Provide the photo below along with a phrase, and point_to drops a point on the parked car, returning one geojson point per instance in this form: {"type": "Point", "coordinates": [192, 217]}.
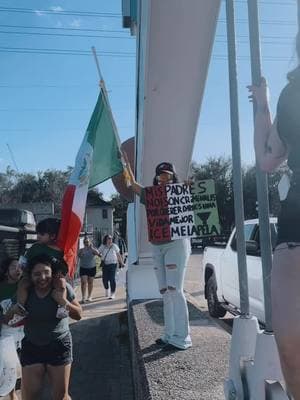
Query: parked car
{"type": "Point", "coordinates": [17, 232]}
{"type": "Point", "coordinates": [221, 273]}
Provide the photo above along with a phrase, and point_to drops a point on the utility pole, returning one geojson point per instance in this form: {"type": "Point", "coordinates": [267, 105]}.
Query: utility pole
{"type": "Point", "coordinates": [12, 157]}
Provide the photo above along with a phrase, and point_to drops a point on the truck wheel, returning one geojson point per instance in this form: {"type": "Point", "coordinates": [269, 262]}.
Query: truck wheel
{"type": "Point", "coordinates": [214, 307]}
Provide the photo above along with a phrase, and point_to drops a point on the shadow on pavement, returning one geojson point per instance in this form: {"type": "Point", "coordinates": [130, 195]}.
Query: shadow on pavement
{"type": "Point", "coordinates": [196, 317]}
{"type": "Point", "coordinates": [101, 367]}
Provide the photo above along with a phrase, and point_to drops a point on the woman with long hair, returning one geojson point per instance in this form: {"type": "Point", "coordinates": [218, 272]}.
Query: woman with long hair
{"type": "Point", "coordinates": [275, 142]}
{"type": "Point", "coordinates": [47, 344]}
{"type": "Point", "coordinates": [110, 257]}
{"type": "Point", "coordinates": [170, 261]}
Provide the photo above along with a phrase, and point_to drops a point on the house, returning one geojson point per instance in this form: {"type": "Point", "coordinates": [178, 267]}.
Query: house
{"type": "Point", "coordinates": [99, 216]}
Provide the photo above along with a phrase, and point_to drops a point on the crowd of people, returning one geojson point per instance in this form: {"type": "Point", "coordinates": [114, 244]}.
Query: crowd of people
{"type": "Point", "coordinates": [36, 302]}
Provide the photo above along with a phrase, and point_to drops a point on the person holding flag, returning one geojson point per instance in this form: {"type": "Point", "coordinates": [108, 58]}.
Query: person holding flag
{"type": "Point", "coordinates": [170, 258]}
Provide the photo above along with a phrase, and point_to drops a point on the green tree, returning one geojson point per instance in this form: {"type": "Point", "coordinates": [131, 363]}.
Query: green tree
{"type": "Point", "coordinates": [120, 212]}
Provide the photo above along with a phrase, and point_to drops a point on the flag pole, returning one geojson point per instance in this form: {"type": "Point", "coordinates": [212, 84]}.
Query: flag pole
{"type": "Point", "coordinates": [102, 86]}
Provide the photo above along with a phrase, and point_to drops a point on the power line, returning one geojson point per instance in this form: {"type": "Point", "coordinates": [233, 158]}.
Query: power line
{"type": "Point", "coordinates": [59, 12]}
{"type": "Point", "coordinates": [26, 50]}
{"type": "Point", "coordinates": [38, 86]}
{"type": "Point", "coordinates": [263, 22]}
{"type": "Point", "coordinates": [277, 3]}
{"type": "Point", "coordinates": [47, 51]}
{"type": "Point", "coordinates": [131, 38]}
{"type": "Point", "coordinates": [115, 15]}
{"type": "Point", "coordinates": [66, 35]}
{"type": "Point", "coordinates": [62, 28]}
{"type": "Point", "coordinates": [43, 109]}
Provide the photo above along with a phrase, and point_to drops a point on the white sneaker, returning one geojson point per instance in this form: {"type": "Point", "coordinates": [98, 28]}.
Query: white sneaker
{"type": "Point", "coordinates": [106, 292]}
{"type": "Point", "coordinates": [112, 296]}
{"type": "Point", "coordinates": [90, 299]}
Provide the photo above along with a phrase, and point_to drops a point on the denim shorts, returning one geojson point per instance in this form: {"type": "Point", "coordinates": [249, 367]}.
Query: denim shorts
{"type": "Point", "coordinates": [56, 353]}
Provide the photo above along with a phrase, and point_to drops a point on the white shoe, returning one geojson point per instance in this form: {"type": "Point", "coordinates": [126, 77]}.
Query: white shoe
{"type": "Point", "coordinates": [112, 296]}
{"type": "Point", "coordinates": [83, 301]}
{"type": "Point", "coordinates": [90, 299]}
{"type": "Point", "coordinates": [106, 292]}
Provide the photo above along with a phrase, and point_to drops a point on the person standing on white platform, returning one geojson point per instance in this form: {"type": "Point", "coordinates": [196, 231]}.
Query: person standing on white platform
{"type": "Point", "coordinates": [170, 260]}
{"type": "Point", "coordinates": [110, 257]}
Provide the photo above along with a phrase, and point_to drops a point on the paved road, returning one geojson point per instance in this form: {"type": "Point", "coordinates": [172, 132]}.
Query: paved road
{"type": "Point", "coordinates": [194, 286]}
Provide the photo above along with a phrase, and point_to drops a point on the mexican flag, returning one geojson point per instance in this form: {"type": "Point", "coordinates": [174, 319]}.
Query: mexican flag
{"type": "Point", "coordinates": [97, 160]}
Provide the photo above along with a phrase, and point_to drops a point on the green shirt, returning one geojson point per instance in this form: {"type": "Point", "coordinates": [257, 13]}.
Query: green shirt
{"type": "Point", "coordinates": [7, 290]}
{"type": "Point", "coordinates": [38, 249]}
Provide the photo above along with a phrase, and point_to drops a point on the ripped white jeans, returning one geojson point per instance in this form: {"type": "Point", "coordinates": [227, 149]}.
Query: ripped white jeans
{"type": "Point", "coordinates": [170, 260]}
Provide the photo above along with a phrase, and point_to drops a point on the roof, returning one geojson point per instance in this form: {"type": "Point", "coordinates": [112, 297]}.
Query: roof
{"type": "Point", "coordinates": [94, 200]}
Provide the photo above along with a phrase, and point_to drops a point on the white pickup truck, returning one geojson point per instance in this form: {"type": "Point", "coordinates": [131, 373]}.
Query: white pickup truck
{"type": "Point", "coordinates": [220, 273]}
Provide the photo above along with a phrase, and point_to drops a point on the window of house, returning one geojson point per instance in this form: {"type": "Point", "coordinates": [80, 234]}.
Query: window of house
{"type": "Point", "coordinates": [104, 214]}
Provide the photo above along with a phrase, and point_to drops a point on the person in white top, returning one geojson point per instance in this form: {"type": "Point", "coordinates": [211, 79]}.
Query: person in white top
{"type": "Point", "coordinates": [110, 256]}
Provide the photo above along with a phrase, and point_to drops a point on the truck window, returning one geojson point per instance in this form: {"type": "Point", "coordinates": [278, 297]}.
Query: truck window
{"type": "Point", "coordinates": [249, 232]}
{"type": "Point", "coordinates": [273, 230]}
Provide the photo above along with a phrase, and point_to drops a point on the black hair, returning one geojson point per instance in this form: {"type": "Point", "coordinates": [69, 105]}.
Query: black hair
{"type": "Point", "coordinates": [56, 265]}
{"type": "Point", "coordinates": [175, 179]}
{"type": "Point", "coordinates": [295, 73]}
{"type": "Point", "coordinates": [48, 225]}
{"type": "Point", "coordinates": [105, 239]}
{"type": "Point", "coordinates": [5, 267]}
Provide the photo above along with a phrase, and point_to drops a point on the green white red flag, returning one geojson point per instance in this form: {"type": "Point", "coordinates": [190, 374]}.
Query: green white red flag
{"type": "Point", "coordinates": [97, 160]}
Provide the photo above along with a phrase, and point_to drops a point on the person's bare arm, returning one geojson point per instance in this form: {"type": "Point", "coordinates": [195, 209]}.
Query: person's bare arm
{"type": "Point", "coordinates": [120, 259]}
{"type": "Point", "coordinates": [269, 150]}
{"type": "Point", "coordinates": [73, 306]}
{"type": "Point", "coordinates": [136, 187]}
{"type": "Point", "coordinates": [95, 251]}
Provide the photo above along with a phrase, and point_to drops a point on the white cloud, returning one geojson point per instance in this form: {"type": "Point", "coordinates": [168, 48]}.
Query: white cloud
{"type": "Point", "coordinates": [39, 13]}
{"type": "Point", "coordinates": [76, 23]}
{"type": "Point", "coordinates": [56, 8]}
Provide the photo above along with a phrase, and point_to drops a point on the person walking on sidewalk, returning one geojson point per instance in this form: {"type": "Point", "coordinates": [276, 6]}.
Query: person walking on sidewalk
{"type": "Point", "coordinates": [170, 260]}
{"type": "Point", "coordinates": [87, 270]}
{"type": "Point", "coordinates": [110, 256]}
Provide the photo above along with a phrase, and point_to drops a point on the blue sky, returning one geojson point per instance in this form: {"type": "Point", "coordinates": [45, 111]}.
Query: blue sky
{"type": "Point", "coordinates": [47, 99]}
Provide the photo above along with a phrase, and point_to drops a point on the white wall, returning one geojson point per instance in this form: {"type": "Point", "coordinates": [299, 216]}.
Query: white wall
{"type": "Point", "coordinates": [94, 217]}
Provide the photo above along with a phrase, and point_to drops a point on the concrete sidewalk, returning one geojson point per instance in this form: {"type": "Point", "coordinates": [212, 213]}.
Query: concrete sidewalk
{"type": "Point", "coordinates": [102, 368]}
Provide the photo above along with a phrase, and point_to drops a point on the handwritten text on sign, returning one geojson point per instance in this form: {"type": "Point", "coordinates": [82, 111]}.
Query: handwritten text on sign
{"type": "Point", "coordinates": [179, 210]}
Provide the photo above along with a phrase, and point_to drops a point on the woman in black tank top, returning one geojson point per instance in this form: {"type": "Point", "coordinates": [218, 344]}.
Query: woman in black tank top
{"type": "Point", "coordinates": [276, 142]}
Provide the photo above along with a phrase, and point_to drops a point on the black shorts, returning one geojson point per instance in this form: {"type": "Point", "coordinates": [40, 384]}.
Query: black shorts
{"type": "Point", "coordinates": [87, 272]}
{"type": "Point", "coordinates": [56, 353]}
{"type": "Point", "coordinates": [289, 217]}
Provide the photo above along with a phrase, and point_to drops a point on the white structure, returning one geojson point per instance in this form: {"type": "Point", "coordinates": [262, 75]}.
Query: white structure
{"type": "Point", "coordinates": [171, 74]}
